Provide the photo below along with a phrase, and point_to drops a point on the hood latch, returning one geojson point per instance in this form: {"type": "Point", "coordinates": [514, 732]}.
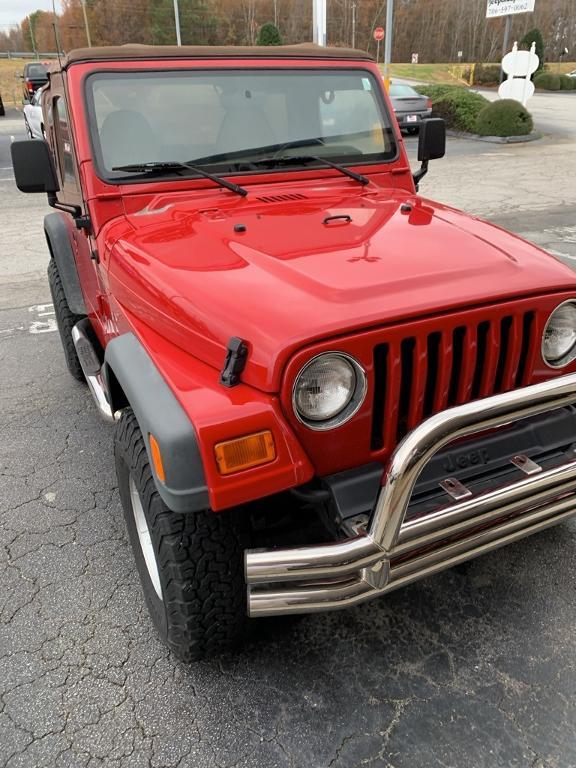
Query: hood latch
{"type": "Point", "coordinates": [235, 362]}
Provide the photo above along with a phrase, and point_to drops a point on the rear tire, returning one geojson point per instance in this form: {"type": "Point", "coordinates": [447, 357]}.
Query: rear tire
{"type": "Point", "coordinates": [66, 320]}
{"type": "Point", "coordinates": [190, 564]}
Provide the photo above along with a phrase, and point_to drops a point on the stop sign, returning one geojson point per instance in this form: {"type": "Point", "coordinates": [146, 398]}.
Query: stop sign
{"type": "Point", "coordinates": [379, 33]}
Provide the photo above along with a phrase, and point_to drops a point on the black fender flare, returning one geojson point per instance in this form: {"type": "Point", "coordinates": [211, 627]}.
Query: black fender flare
{"type": "Point", "coordinates": [58, 239]}
{"type": "Point", "coordinates": [129, 368]}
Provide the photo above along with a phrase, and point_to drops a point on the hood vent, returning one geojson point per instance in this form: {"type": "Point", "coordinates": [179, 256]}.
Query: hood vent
{"type": "Point", "coordinates": [281, 198]}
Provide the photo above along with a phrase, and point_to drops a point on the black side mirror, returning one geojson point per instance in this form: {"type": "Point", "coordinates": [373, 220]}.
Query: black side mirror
{"type": "Point", "coordinates": [431, 145]}
{"type": "Point", "coordinates": [432, 140]}
{"type": "Point", "coordinates": [33, 166]}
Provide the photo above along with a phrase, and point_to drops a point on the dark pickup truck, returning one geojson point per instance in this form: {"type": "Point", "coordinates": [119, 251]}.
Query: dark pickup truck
{"type": "Point", "coordinates": [35, 75]}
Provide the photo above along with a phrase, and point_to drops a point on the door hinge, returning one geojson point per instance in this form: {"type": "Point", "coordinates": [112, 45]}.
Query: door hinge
{"type": "Point", "coordinates": [83, 222]}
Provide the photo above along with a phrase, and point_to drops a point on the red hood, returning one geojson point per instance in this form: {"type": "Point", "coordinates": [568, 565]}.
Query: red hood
{"type": "Point", "coordinates": [290, 278]}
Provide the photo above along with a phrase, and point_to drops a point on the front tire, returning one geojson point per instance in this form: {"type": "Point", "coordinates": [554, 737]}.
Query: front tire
{"type": "Point", "coordinates": [190, 564]}
{"type": "Point", "coordinates": [65, 320]}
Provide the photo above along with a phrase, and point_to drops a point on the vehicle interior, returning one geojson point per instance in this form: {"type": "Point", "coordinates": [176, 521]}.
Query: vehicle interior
{"type": "Point", "coordinates": [223, 119]}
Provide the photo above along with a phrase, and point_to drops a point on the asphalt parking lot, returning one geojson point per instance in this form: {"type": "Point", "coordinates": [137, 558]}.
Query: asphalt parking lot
{"type": "Point", "coordinates": [474, 667]}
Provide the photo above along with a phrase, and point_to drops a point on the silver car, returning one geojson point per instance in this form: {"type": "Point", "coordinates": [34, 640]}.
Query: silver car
{"type": "Point", "coordinates": [410, 107]}
{"type": "Point", "coordinates": [33, 117]}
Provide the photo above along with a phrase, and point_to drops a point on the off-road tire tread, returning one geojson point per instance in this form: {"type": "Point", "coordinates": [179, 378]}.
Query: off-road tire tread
{"type": "Point", "coordinates": [200, 560]}
{"type": "Point", "coordinates": [66, 320]}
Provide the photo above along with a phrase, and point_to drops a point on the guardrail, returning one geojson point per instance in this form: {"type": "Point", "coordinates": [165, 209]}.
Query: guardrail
{"type": "Point", "coordinates": [27, 55]}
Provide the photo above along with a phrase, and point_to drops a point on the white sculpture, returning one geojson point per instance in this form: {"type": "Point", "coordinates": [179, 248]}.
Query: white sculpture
{"type": "Point", "coordinates": [519, 66]}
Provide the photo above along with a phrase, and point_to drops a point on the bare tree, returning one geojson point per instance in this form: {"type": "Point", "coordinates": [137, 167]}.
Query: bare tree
{"type": "Point", "coordinates": [435, 29]}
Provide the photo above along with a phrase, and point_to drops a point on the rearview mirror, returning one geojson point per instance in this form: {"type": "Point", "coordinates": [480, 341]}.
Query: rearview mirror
{"type": "Point", "coordinates": [432, 140]}
{"type": "Point", "coordinates": [33, 166]}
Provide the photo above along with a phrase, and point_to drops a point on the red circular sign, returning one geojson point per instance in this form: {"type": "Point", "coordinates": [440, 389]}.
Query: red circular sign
{"type": "Point", "coordinates": [379, 33]}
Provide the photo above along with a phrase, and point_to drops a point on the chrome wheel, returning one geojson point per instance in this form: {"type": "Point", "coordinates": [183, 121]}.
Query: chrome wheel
{"type": "Point", "coordinates": [144, 537]}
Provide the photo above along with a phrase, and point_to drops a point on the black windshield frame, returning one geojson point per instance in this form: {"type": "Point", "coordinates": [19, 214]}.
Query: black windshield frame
{"type": "Point", "coordinates": [121, 178]}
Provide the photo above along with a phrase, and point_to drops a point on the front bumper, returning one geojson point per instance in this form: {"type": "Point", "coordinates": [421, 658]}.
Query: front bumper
{"type": "Point", "coordinates": [395, 551]}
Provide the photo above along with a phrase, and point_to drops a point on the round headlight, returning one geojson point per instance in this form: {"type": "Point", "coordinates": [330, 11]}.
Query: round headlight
{"type": "Point", "coordinates": [329, 390]}
{"type": "Point", "coordinates": [559, 339]}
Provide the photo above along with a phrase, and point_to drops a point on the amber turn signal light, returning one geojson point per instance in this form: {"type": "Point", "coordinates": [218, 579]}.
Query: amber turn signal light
{"type": "Point", "coordinates": [157, 458]}
{"type": "Point", "coordinates": [245, 452]}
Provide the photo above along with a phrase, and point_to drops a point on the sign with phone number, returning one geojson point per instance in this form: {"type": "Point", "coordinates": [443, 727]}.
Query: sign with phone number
{"type": "Point", "coordinates": [508, 7]}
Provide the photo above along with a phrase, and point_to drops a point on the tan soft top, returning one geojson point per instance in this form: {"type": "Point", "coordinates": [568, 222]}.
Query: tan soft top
{"type": "Point", "coordinates": [135, 52]}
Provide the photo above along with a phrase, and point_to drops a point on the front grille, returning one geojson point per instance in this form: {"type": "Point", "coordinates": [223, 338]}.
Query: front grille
{"type": "Point", "coordinates": [419, 375]}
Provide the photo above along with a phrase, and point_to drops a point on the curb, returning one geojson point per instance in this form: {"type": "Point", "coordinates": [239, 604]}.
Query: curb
{"type": "Point", "coordinates": [534, 136]}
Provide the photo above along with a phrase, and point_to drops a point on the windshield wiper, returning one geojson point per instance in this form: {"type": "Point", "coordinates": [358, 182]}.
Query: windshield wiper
{"type": "Point", "coordinates": [158, 167]}
{"type": "Point", "coordinates": [300, 159]}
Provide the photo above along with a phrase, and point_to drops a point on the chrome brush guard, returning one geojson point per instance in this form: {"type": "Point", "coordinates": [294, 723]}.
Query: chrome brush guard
{"type": "Point", "coordinates": [394, 552]}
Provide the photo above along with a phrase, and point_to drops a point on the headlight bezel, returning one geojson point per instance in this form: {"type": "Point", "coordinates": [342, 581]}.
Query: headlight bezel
{"type": "Point", "coordinates": [570, 355]}
{"type": "Point", "coordinates": [352, 406]}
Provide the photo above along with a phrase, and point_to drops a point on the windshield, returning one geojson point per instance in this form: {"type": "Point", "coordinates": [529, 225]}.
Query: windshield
{"type": "Point", "coordinates": [225, 120]}
{"type": "Point", "coordinates": [36, 70]}
{"type": "Point", "coordinates": [403, 92]}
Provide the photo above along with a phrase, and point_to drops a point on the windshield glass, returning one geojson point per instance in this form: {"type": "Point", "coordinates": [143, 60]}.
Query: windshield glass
{"type": "Point", "coordinates": [36, 70]}
{"type": "Point", "coordinates": [402, 92]}
{"type": "Point", "coordinates": [225, 120]}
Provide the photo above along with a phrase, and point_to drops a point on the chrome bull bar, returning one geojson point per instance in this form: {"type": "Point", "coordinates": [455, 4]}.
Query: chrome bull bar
{"type": "Point", "coordinates": [394, 552]}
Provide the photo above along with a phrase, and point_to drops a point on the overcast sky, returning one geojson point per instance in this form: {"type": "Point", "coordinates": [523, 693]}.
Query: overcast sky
{"type": "Point", "coordinates": [13, 11]}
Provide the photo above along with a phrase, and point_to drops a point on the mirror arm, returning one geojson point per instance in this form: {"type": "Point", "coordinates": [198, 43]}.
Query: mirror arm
{"type": "Point", "coordinates": [54, 203]}
{"type": "Point", "coordinates": [81, 222]}
{"type": "Point", "coordinates": [419, 175]}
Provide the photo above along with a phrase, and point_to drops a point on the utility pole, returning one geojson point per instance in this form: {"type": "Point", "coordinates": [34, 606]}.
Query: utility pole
{"type": "Point", "coordinates": [388, 41]}
{"type": "Point", "coordinates": [177, 23]}
{"type": "Point", "coordinates": [32, 37]}
{"type": "Point", "coordinates": [275, 13]}
{"type": "Point", "coordinates": [56, 30]}
{"type": "Point", "coordinates": [86, 24]}
{"type": "Point", "coordinates": [353, 25]}
{"type": "Point", "coordinates": [319, 21]}
{"type": "Point", "coordinates": [506, 43]}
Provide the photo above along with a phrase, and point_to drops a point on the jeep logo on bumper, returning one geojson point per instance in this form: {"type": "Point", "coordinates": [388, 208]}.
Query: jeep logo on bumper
{"type": "Point", "coordinates": [465, 460]}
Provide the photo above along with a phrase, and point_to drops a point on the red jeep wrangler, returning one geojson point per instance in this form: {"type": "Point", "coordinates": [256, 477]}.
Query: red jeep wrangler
{"type": "Point", "coordinates": [324, 385]}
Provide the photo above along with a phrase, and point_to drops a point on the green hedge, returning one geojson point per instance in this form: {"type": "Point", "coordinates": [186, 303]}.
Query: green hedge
{"type": "Point", "coordinates": [486, 74]}
{"type": "Point", "coordinates": [567, 83]}
{"type": "Point", "coordinates": [437, 91]}
{"type": "Point", "coordinates": [549, 81]}
{"type": "Point", "coordinates": [505, 117]}
{"type": "Point", "coordinates": [458, 106]}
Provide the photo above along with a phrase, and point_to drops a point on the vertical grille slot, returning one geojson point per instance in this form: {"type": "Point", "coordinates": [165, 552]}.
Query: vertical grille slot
{"type": "Point", "coordinates": [513, 357]}
{"type": "Point", "coordinates": [527, 326]}
{"type": "Point", "coordinates": [432, 375]}
{"type": "Point", "coordinates": [483, 329]}
{"type": "Point", "coordinates": [445, 369]}
{"type": "Point", "coordinates": [407, 377]}
{"type": "Point", "coordinates": [458, 345]}
{"type": "Point", "coordinates": [505, 329]}
{"type": "Point", "coordinates": [490, 360]}
{"type": "Point", "coordinates": [381, 353]}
